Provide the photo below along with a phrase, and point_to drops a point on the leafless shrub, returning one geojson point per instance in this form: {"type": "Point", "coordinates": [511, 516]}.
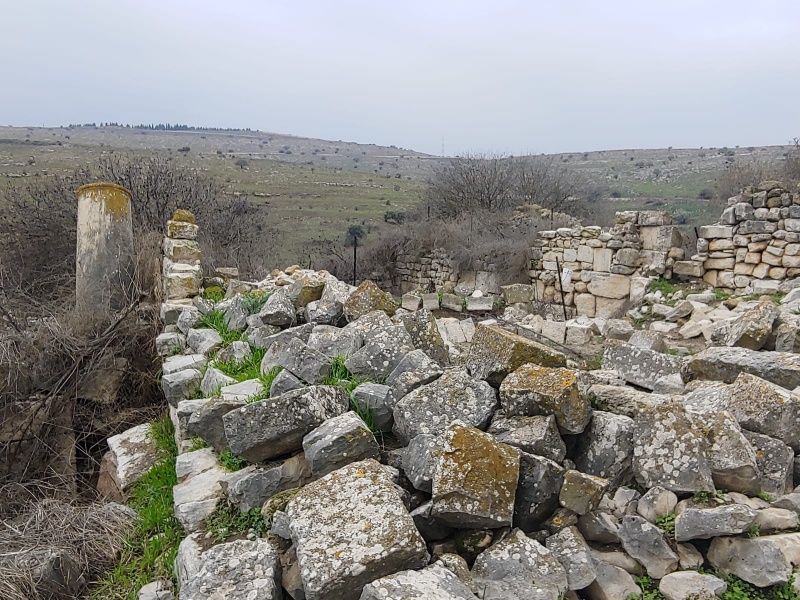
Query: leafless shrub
{"type": "Point", "coordinates": [490, 182]}
{"type": "Point", "coordinates": [740, 174]}
{"type": "Point", "coordinates": [38, 220]}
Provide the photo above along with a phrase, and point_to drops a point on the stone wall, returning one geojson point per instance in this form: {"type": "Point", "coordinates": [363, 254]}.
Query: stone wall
{"type": "Point", "coordinates": [599, 271]}
{"type": "Point", "coordinates": [433, 271]}
{"type": "Point", "coordinates": [755, 244]}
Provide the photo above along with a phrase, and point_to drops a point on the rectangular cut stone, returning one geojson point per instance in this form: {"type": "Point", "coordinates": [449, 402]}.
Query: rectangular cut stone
{"type": "Point", "coordinates": [660, 238]}
{"type": "Point", "coordinates": [554, 330]}
{"type": "Point", "coordinates": [340, 550]}
{"type": "Point", "coordinates": [610, 308]}
{"type": "Point", "coordinates": [641, 366]}
{"type": "Point", "coordinates": [720, 264]}
{"type": "Point", "coordinates": [585, 254]}
{"type": "Point", "coordinates": [746, 227]}
{"type": "Point", "coordinates": [716, 231]}
{"type": "Point", "coordinates": [430, 301]}
{"type": "Point", "coordinates": [602, 259]}
{"type": "Point", "coordinates": [610, 286]}
{"type": "Point", "coordinates": [452, 302]}
{"type": "Point", "coordinates": [479, 304]}
{"type": "Point", "coordinates": [689, 268]}
{"type": "Point", "coordinates": [585, 304]}
{"type": "Point", "coordinates": [517, 293]}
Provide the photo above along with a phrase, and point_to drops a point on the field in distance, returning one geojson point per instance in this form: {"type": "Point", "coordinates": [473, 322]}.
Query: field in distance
{"type": "Point", "coordinates": [315, 189]}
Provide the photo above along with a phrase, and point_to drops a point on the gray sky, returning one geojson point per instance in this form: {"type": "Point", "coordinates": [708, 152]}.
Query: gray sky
{"type": "Point", "coordinates": [501, 75]}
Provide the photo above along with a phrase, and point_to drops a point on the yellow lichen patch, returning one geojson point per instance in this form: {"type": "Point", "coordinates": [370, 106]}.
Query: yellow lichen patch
{"type": "Point", "coordinates": [184, 216]}
{"type": "Point", "coordinates": [477, 479]}
{"type": "Point", "coordinates": [115, 199]}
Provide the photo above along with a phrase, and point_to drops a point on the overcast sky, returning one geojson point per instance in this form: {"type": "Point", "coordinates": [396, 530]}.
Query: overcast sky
{"type": "Point", "coordinates": [497, 75]}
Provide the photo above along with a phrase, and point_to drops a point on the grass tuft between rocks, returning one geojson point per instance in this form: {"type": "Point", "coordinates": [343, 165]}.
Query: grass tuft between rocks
{"type": "Point", "coordinates": [215, 319]}
{"type": "Point", "coordinates": [227, 522]}
{"type": "Point", "coordinates": [341, 376]}
{"type": "Point", "coordinates": [249, 368]}
{"type": "Point", "coordinates": [149, 551]}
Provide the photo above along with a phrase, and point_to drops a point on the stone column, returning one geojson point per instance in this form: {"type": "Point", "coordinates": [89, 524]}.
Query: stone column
{"type": "Point", "coordinates": [104, 260]}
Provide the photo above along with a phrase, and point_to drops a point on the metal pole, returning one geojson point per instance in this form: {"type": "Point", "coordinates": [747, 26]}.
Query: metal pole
{"type": "Point", "coordinates": [355, 249]}
{"type": "Point", "coordinates": [561, 289]}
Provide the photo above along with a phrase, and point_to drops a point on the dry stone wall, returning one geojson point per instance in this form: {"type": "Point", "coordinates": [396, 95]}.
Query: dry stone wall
{"type": "Point", "coordinates": [600, 271]}
{"type": "Point", "coordinates": [754, 246]}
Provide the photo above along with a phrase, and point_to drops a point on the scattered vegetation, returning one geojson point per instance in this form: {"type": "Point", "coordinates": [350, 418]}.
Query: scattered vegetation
{"type": "Point", "coordinates": [341, 376]}
{"type": "Point", "coordinates": [739, 589]}
{"type": "Point", "coordinates": [765, 496]}
{"type": "Point", "coordinates": [227, 522]}
{"type": "Point", "coordinates": [649, 589]}
{"type": "Point", "coordinates": [231, 461]}
{"type": "Point", "coordinates": [662, 285]}
{"type": "Point", "coordinates": [214, 293]}
{"type": "Point", "coordinates": [215, 319]}
{"type": "Point", "coordinates": [249, 368]}
{"type": "Point", "coordinates": [149, 552]}
{"type": "Point", "coordinates": [721, 295]}
{"type": "Point", "coordinates": [254, 301]}
{"type": "Point", "coordinates": [666, 523]}
{"type": "Point", "coordinates": [706, 497]}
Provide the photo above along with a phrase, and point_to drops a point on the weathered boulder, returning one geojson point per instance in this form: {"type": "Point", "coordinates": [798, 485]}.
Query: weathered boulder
{"type": "Point", "coordinates": [519, 568]}
{"type": "Point", "coordinates": [203, 341]}
{"type": "Point", "coordinates": [536, 435]}
{"type": "Point", "coordinates": [366, 298]}
{"type": "Point", "coordinates": [772, 519]}
{"type": "Point", "coordinates": [724, 364]}
{"type": "Point", "coordinates": [198, 490]}
{"type": "Point", "coordinates": [574, 554]}
{"type": "Point", "coordinates": [333, 341]}
{"type": "Point", "coordinates": [130, 455]}
{"type": "Point", "coordinates": [704, 523]}
{"type": "Point", "coordinates": [266, 335]}
{"type": "Point", "coordinates": [206, 422]}
{"type": "Point", "coordinates": [431, 408]}
{"type": "Point", "coordinates": [606, 447]}
{"type": "Point", "coordinates": [495, 353]}
{"type": "Point", "coordinates": [180, 385]}
{"type": "Point", "coordinates": [371, 397]}
{"type": "Point", "coordinates": [623, 400]}
{"type": "Point", "coordinates": [420, 458]}
{"type": "Point", "coordinates": [598, 526]}
{"type": "Point", "coordinates": [641, 366]}
{"type": "Point", "coordinates": [244, 391]}
{"type": "Point", "coordinates": [775, 463]}
{"type": "Point", "coordinates": [425, 336]}
{"type": "Point", "coordinates": [168, 344]}
{"type": "Point", "coordinates": [296, 357]}
{"type": "Point", "coordinates": [156, 590]}
{"type": "Point", "coordinates": [538, 488]}
{"type": "Point", "coordinates": [475, 479]}
{"type": "Point", "coordinates": [240, 570]}
{"type": "Point", "coordinates": [581, 493]}
{"type": "Point", "coordinates": [306, 289]}
{"type": "Point", "coordinates": [251, 487]}
{"type": "Point", "coordinates": [329, 308]}
{"type": "Point", "coordinates": [339, 549]}
{"type": "Point", "coordinates": [762, 561]}
{"type": "Point", "coordinates": [750, 329]}
{"type": "Point", "coordinates": [337, 442]}
{"type": "Point", "coordinates": [278, 310]}
{"type": "Point", "coordinates": [611, 583]}
{"type": "Point", "coordinates": [284, 382]}
{"type": "Point", "coordinates": [276, 426]}
{"type": "Point", "coordinates": [236, 314]}
{"type": "Point", "coordinates": [669, 451]}
{"type": "Point", "coordinates": [645, 542]}
{"type": "Point", "coordinates": [688, 585]}
{"type": "Point", "coordinates": [766, 408]}
{"type": "Point", "coordinates": [657, 502]}
{"type": "Point", "coordinates": [731, 457]}
{"type": "Point", "coordinates": [381, 353]}
{"type": "Point", "coordinates": [535, 390]}
{"type": "Point", "coordinates": [414, 370]}
{"type": "Point", "coordinates": [434, 582]}
{"type": "Point", "coordinates": [213, 381]}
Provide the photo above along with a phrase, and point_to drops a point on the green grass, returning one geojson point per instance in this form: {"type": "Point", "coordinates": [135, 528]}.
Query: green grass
{"type": "Point", "coordinates": [741, 590]}
{"type": "Point", "coordinates": [254, 301]}
{"type": "Point", "coordinates": [663, 286]}
{"type": "Point", "coordinates": [649, 589]}
{"type": "Point", "coordinates": [149, 551]}
{"type": "Point", "coordinates": [197, 443]}
{"type": "Point", "coordinates": [666, 524]}
{"type": "Point", "coordinates": [266, 380]}
{"type": "Point", "coordinates": [227, 522]}
{"type": "Point", "coordinates": [249, 368]}
{"type": "Point", "coordinates": [706, 497]}
{"type": "Point", "coordinates": [214, 293]}
{"type": "Point", "coordinates": [721, 295]}
{"type": "Point", "coordinates": [766, 497]}
{"type": "Point", "coordinates": [231, 461]}
{"type": "Point", "coordinates": [341, 376]}
{"type": "Point", "coordinates": [215, 319]}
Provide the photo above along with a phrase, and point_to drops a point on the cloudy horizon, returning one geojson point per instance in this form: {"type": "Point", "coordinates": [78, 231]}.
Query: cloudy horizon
{"type": "Point", "coordinates": [509, 76]}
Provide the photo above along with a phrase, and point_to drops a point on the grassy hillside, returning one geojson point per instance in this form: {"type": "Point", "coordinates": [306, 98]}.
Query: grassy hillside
{"type": "Point", "coordinates": [315, 189]}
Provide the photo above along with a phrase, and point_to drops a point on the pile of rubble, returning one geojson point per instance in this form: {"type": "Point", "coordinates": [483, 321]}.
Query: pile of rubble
{"type": "Point", "coordinates": [471, 462]}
